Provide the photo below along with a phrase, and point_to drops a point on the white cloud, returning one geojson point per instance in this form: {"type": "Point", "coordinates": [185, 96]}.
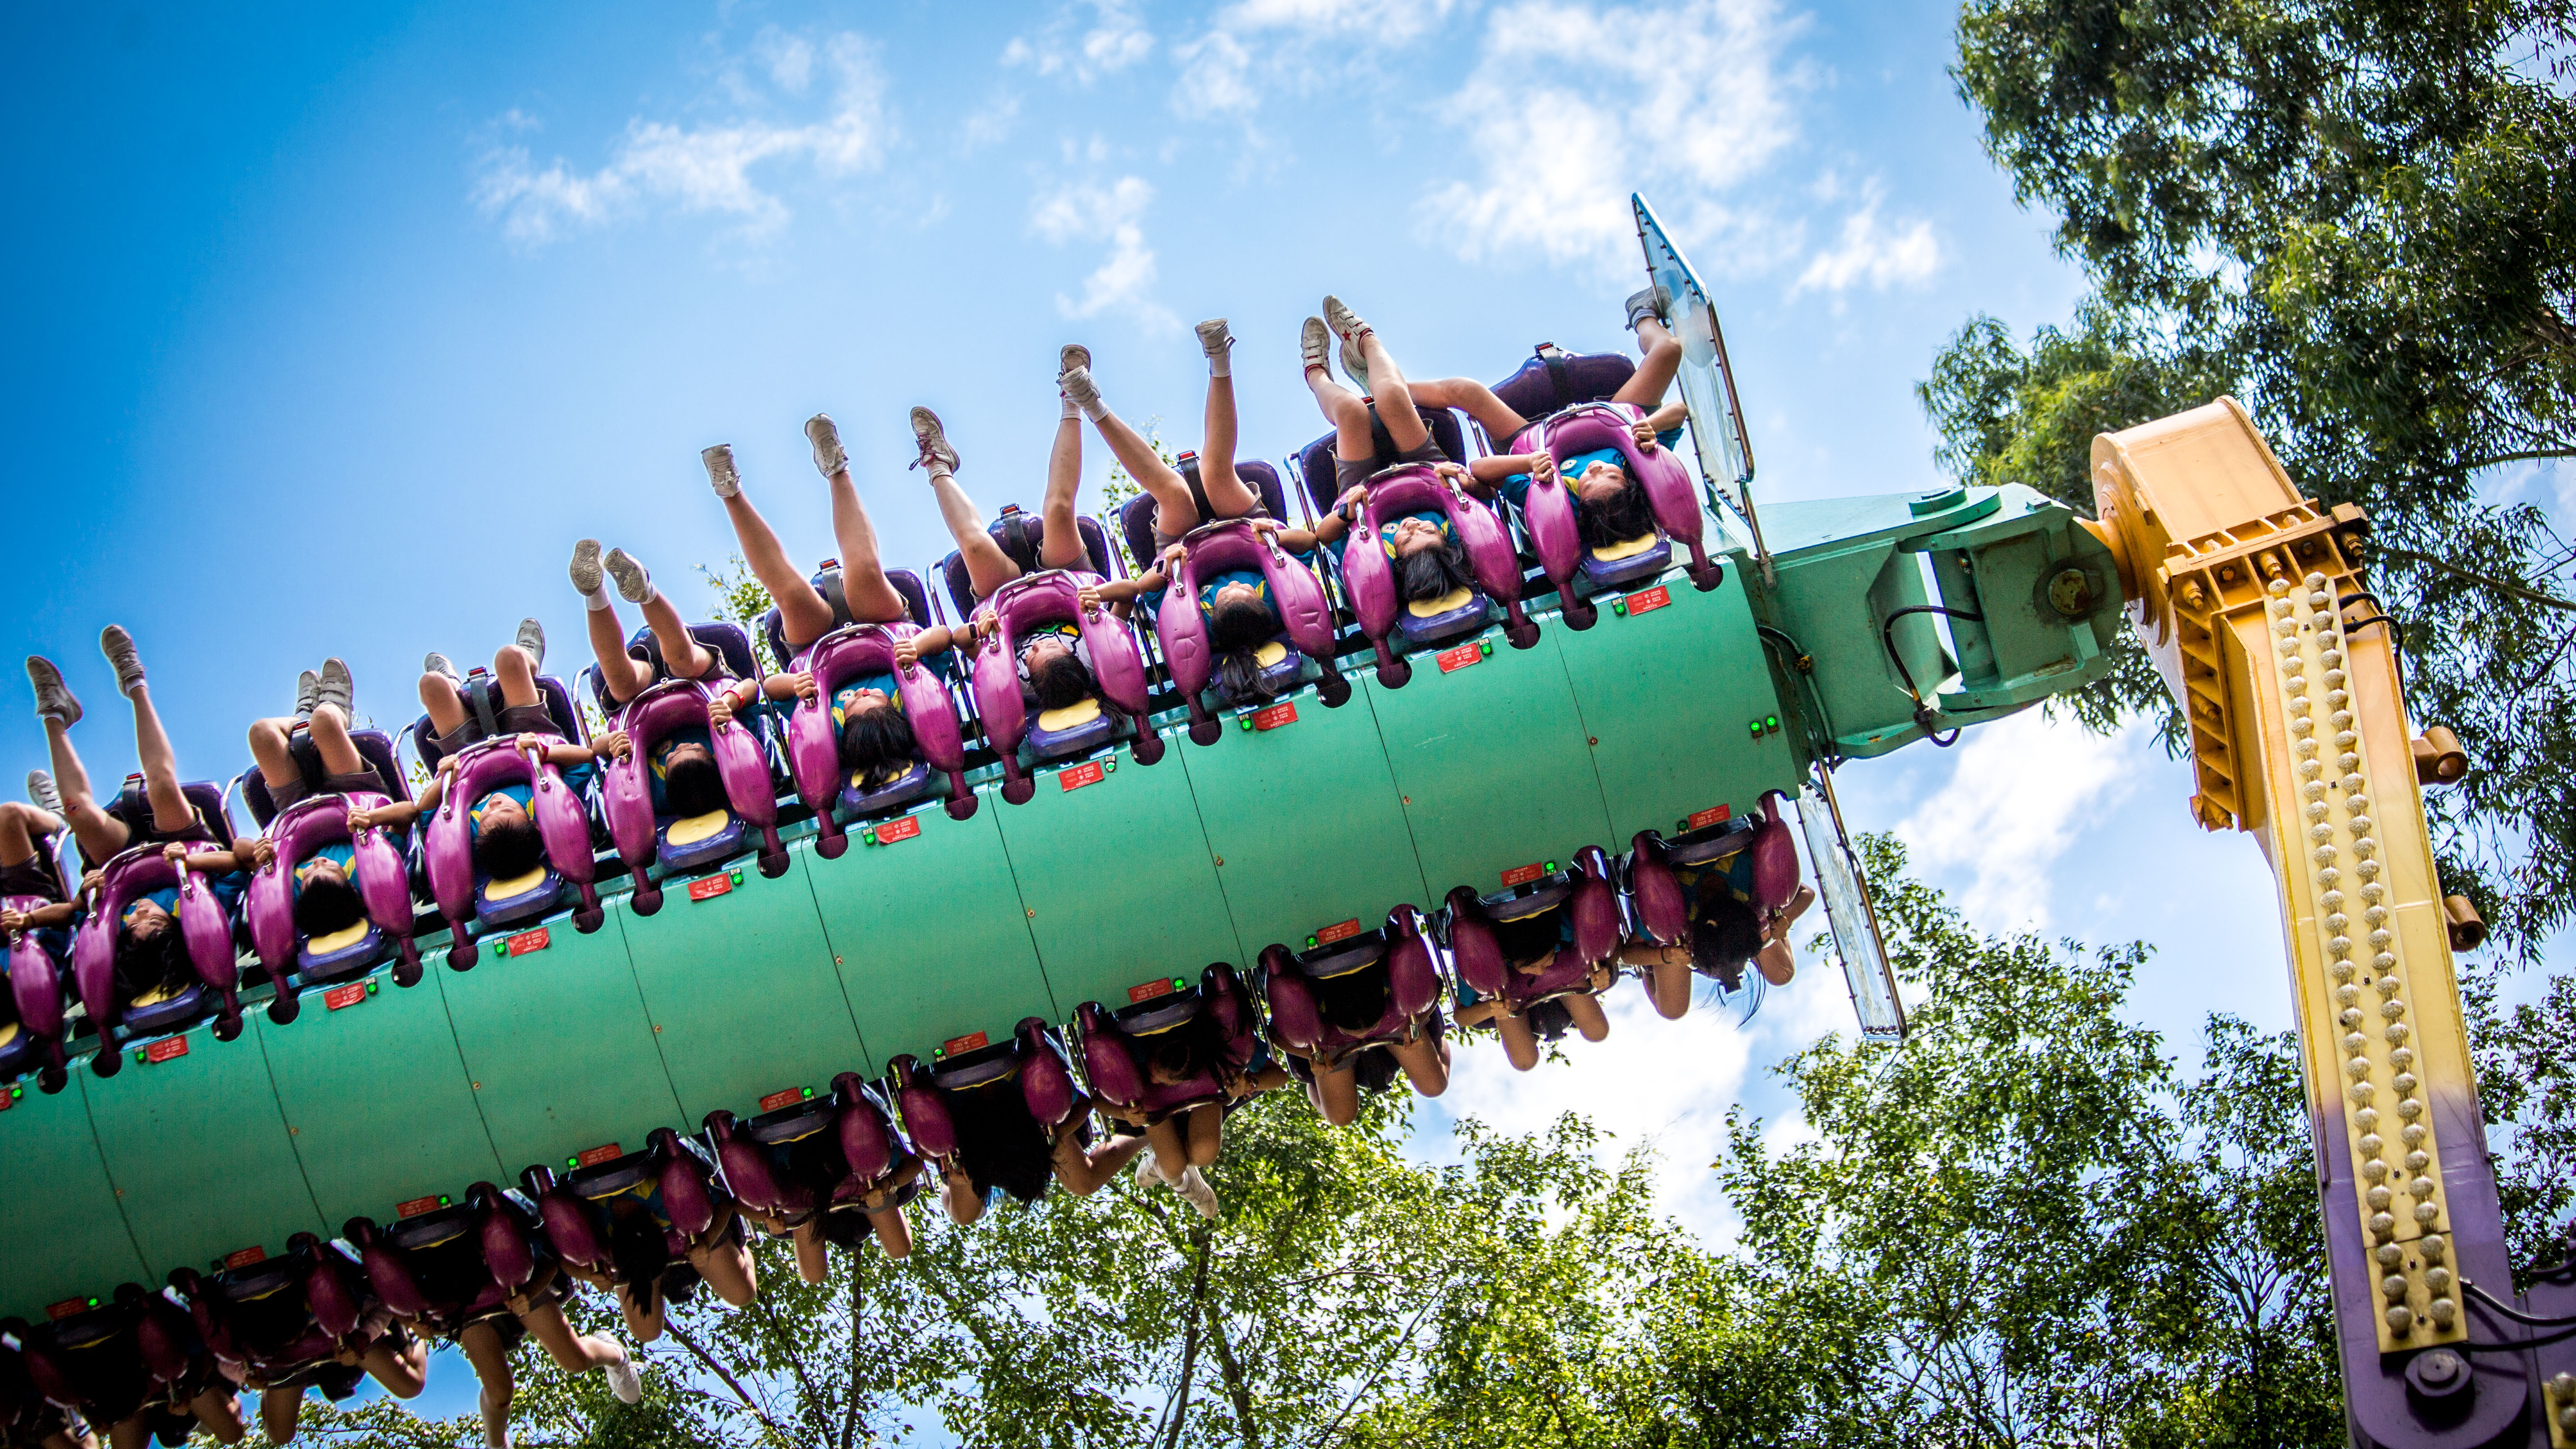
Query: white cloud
{"type": "Point", "coordinates": [1871, 252]}
{"type": "Point", "coordinates": [701, 169]}
{"type": "Point", "coordinates": [2019, 791]}
{"type": "Point", "coordinates": [1115, 39]}
{"type": "Point", "coordinates": [1114, 214]}
{"type": "Point", "coordinates": [1573, 105]}
{"type": "Point", "coordinates": [992, 124]}
{"type": "Point", "coordinates": [1257, 45]}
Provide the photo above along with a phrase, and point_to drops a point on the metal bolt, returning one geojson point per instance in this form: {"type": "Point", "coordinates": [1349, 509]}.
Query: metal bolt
{"type": "Point", "coordinates": [2071, 593]}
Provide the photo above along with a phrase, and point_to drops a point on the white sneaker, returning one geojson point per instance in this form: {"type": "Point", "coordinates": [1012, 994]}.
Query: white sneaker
{"type": "Point", "coordinates": [935, 447]}
{"type": "Point", "coordinates": [118, 646]}
{"type": "Point", "coordinates": [1358, 369]}
{"type": "Point", "coordinates": [1148, 1172]}
{"type": "Point", "coordinates": [40, 789]}
{"type": "Point", "coordinates": [1195, 1191]}
{"type": "Point", "coordinates": [634, 583]}
{"type": "Point", "coordinates": [720, 469]}
{"type": "Point", "coordinates": [1346, 324]}
{"type": "Point", "coordinates": [585, 567]}
{"type": "Point", "coordinates": [439, 664]}
{"type": "Point", "coordinates": [829, 456]}
{"type": "Point", "coordinates": [335, 687]}
{"type": "Point", "coordinates": [532, 638]}
{"type": "Point", "coordinates": [1315, 344]}
{"type": "Point", "coordinates": [53, 697]}
{"type": "Point", "coordinates": [1080, 389]}
{"type": "Point", "coordinates": [1069, 357]}
{"type": "Point", "coordinates": [624, 1381]}
{"type": "Point", "coordinates": [1214, 339]}
{"type": "Point", "coordinates": [308, 693]}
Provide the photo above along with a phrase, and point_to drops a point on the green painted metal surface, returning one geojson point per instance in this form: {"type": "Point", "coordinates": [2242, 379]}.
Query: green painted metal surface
{"type": "Point", "coordinates": [557, 1045]}
{"type": "Point", "coordinates": [1672, 695]}
{"type": "Point", "coordinates": [724, 1045]}
{"type": "Point", "coordinates": [1296, 815]}
{"type": "Point", "coordinates": [199, 1154]}
{"type": "Point", "coordinates": [60, 1216]}
{"type": "Point", "coordinates": [932, 940]}
{"type": "Point", "coordinates": [1493, 763]}
{"type": "Point", "coordinates": [1117, 877]}
{"type": "Point", "coordinates": [363, 1148]}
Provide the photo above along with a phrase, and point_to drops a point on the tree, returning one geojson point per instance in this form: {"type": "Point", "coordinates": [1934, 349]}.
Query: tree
{"type": "Point", "coordinates": [2360, 219]}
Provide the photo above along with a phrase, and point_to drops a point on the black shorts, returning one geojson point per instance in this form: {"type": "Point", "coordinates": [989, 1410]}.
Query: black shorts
{"type": "Point", "coordinates": [31, 877]}
{"type": "Point", "coordinates": [1347, 474]}
{"type": "Point", "coordinates": [517, 719]}
{"type": "Point", "coordinates": [363, 782]}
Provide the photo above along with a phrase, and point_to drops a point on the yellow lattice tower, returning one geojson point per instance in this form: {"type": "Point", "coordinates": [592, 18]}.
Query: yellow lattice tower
{"type": "Point", "coordinates": [2239, 590]}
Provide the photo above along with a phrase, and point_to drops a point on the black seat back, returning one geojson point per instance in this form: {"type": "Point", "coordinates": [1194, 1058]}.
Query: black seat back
{"type": "Point", "coordinates": [1553, 380]}
{"type": "Point", "coordinates": [729, 642]}
{"type": "Point", "coordinates": [1018, 534]}
{"type": "Point", "coordinates": [551, 693]}
{"type": "Point", "coordinates": [1315, 460]}
{"type": "Point", "coordinates": [375, 747]}
{"type": "Point", "coordinates": [1136, 515]}
{"type": "Point", "coordinates": [133, 806]}
{"type": "Point", "coordinates": [827, 582]}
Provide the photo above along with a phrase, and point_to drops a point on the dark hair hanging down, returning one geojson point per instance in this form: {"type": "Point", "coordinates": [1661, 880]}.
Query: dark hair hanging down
{"type": "Point", "coordinates": [326, 904]}
{"type": "Point", "coordinates": [1548, 1020]}
{"type": "Point", "coordinates": [1533, 937]}
{"type": "Point", "coordinates": [1625, 514]}
{"type": "Point", "coordinates": [1237, 629]}
{"type": "Point", "coordinates": [1724, 934]}
{"type": "Point", "coordinates": [1061, 682]}
{"type": "Point", "coordinates": [999, 1143]}
{"type": "Point", "coordinates": [640, 1254]}
{"type": "Point", "coordinates": [1433, 573]}
{"type": "Point", "coordinates": [694, 786]}
{"type": "Point", "coordinates": [151, 961]}
{"type": "Point", "coordinates": [508, 849]}
{"type": "Point", "coordinates": [1355, 1002]}
{"type": "Point", "coordinates": [876, 742]}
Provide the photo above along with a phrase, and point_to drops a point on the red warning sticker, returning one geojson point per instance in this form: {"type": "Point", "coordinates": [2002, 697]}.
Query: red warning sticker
{"type": "Point", "coordinates": [1147, 991]}
{"type": "Point", "coordinates": [1460, 657]}
{"type": "Point", "coordinates": [1711, 816]}
{"type": "Point", "coordinates": [349, 995]}
{"type": "Point", "coordinates": [65, 1309]}
{"type": "Point", "coordinates": [1086, 773]}
{"type": "Point", "coordinates": [417, 1206]}
{"type": "Point", "coordinates": [526, 941]}
{"type": "Point", "coordinates": [783, 1097]}
{"type": "Point", "coordinates": [968, 1043]}
{"type": "Point", "coordinates": [8, 1099]}
{"type": "Point", "coordinates": [245, 1257]}
{"type": "Point", "coordinates": [1523, 874]}
{"type": "Point", "coordinates": [166, 1048]}
{"type": "Point", "coordinates": [710, 887]}
{"type": "Point", "coordinates": [1341, 932]}
{"type": "Point", "coordinates": [1647, 601]}
{"type": "Point", "coordinates": [894, 830]}
{"type": "Point", "coordinates": [605, 1152]}
{"type": "Point", "coordinates": [1271, 718]}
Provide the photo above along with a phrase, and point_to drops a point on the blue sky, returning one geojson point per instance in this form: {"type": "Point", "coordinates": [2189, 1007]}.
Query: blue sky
{"type": "Point", "coordinates": [334, 326]}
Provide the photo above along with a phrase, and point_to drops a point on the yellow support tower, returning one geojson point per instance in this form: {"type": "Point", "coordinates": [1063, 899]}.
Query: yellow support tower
{"type": "Point", "coordinates": [2250, 600]}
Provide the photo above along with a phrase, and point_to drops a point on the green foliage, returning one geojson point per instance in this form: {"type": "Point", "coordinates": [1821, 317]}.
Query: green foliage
{"type": "Point", "coordinates": [2360, 219]}
{"type": "Point", "coordinates": [1120, 485]}
{"type": "Point", "coordinates": [741, 599]}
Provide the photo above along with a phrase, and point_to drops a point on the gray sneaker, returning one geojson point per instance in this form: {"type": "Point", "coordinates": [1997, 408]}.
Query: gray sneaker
{"type": "Point", "coordinates": [337, 689]}
{"type": "Point", "coordinates": [624, 1381]}
{"type": "Point", "coordinates": [1071, 356]}
{"type": "Point", "coordinates": [40, 788]}
{"type": "Point", "coordinates": [1358, 369]}
{"type": "Point", "coordinates": [1214, 340]}
{"type": "Point", "coordinates": [634, 584]}
{"type": "Point", "coordinates": [308, 692]}
{"type": "Point", "coordinates": [442, 666]}
{"type": "Point", "coordinates": [585, 567]}
{"type": "Point", "coordinates": [829, 456]}
{"type": "Point", "coordinates": [1346, 324]}
{"type": "Point", "coordinates": [1648, 303]}
{"type": "Point", "coordinates": [933, 438]}
{"type": "Point", "coordinates": [1195, 1191]}
{"type": "Point", "coordinates": [720, 469]}
{"type": "Point", "coordinates": [532, 638]}
{"type": "Point", "coordinates": [1080, 389]}
{"type": "Point", "coordinates": [1315, 344]}
{"type": "Point", "coordinates": [118, 646]}
{"type": "Point", "coordinates": [53, 697]}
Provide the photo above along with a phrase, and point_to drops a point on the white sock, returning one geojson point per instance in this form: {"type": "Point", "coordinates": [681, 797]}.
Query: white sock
{"type": "Point", "coordinates": [1221, 362]}
{"type": "Point", "coordinates": [598, 598]}
{"type": "Point", "coordinates": [1097, 410]}
{"type": "Point", "coordinates": [1070, 411]}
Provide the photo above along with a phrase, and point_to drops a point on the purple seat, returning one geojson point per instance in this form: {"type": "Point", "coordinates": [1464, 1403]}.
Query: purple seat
{"type": "Point", "coordinates": [1586, 891]}
{"type": "Point", "coordinates": [464, 894]}
{"type": "Point", "coordinates": [36, 982]}
{"type": "Point", "coordinates": [1050, 598]}
{"type": "Point", "coordinates": [1306, 618]}
{"type": "Point", "coordinates": [1402, 950]}
{"type": "Point", "coordinates": [1554, 380]}
{"type": "Point", "coordinates": [1322, 479]}
{"type": "Point", "coordinates": [1115, 1045]}
{"type": "Point", "coordinates": [375, 748]}
{"type": "Point", "coordinates": [1548, 508]}
{"type": "Point", "coordinates": [383, 882]}
{"type": "Point", "coordinates": [1033, 1059]}
{"type": "Point", "coordinates": [480, 696]}
{"type": "Point", "coordinates": [287, 1317]}
{"type": "Point", "coordinates": [204, 925]}
{"type": "Point", "coordinates": [827, 582]}
{"type": "Point", "coordinates": [1656, 895]}
{"type": "Point", "coordinates": [626, 791]}
{"type": "Point", "coordinates": [1136, 515]}
{"type": "Point", "coordinates": [731, 646]}
{"type": "Point", "coordinates": [1369, 575]}
{"type": "Point", "coordinates": [861, 1153]}
{"type": "Point", "coordinates": [133, 806]}
{"type": "Point", "coordinates": [89, 1362]}
{"type": "Point", "coordinates": [814, 748]}
{"type": "Point", "coordinates": [572, 1214]}
{"type": "Point", "coordinates": [1018, 534]}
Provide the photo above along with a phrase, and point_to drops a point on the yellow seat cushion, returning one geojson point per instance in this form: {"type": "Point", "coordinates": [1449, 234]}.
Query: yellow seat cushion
{"type": "Point", "coordinates": [151, 998]}
{"type": "Point", "coordinates": [1069, 717]}
{"type": "Point", "coordinates": [338, 940]}
{"type": "Point", "coordinates": [1270, 653]}
{"type": "Point", "coordinates": [517, 885]}
{"type": "Point", "coordinates": [689, 830]}
{"type": "Point", "coordinates": [8, 1032]}
{"type": "Point", "coordinates": [1454, 599]}
{"type": "Point", "coordinates": [1629, 548]}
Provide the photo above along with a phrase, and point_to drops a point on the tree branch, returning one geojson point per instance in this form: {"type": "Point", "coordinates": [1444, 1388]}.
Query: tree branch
{"type": "Point", "coordinates": [1178, 1413]}
{"type": "Point", "coordinates": [680, 1331]}
{"type": "Point", "coordinates": [2506, 586]}
{"type": "Point", "coordinates": [1235, 1387]}
{"type": "Point", "coordinates": [850, 1408]}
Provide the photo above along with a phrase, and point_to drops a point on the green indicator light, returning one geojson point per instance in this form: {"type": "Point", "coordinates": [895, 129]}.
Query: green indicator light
{"type": "Point", "coordinates": [1551, 867]}
{"type": "Point", "coordinates": [1757, 729]}
{"type": "Point", "coordinates": [1771, 722]}
{"type": "Point", "coordinates": [372, 984]}
{"type": "Point", "coordinates": [1180, 985]}
{"type": "Point", "coordinates": [571, 1162]}
{"type": "Point", "coordinates": [1621, 607]}
{"type": "Point", "coordinates": [1311, 941]}
{"type": "Point", "coordinates": [1109, 766]}
{"type": "Point", "coordinates": [93, 1303]}
{"type": "Point", "coordinates": [442, 1199]}
{"type": "Point", "coordinates": [1485, 647]}
{"type": "Point", "coordinates": [501, 948]}
{"type": "Point", "coordinates": [1245, 719]}
{"type": "Point", "coordinates": [809, 1093]}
